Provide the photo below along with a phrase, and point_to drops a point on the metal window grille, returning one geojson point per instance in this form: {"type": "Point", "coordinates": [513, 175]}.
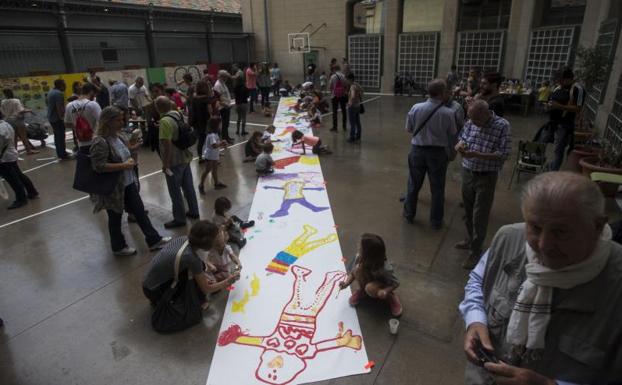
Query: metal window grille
{"type": "Point", "coordinates": [613, 131]}
{"type": "Point", "coordinates": [365, 52]}
{"type": "Point", "coordinates": [417, 55]}
{"type": "Point", "coordinates": [480, 49]}
{"type": "Point", "coordinates": [549, 50]}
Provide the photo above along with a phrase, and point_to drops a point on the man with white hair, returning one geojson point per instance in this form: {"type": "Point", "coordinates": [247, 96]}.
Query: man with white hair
{"type": "Point", "coordinates": [224, 98]}
{"type": "Point", "coordinates": [545, 298]}
{"type": "Point", "coordinates": [485, 143]}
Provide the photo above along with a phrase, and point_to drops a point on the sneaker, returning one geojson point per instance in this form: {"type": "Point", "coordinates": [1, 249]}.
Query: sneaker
{"type": "Point", "coordinates": [463, 245]}
{"type": "Point", "coordinates": [172, 224]}
{"type": "Point", "coordinates": [246, 225]}
{"type": "Point", "coordinates": [192, 216]}
{"type": "Point", "coordinates": [470, 262]}
{"type": "Point", "coordinates": [356, 297]}
{"type": "Point", "coordinates": [241, 243]}
{"type": "Point", "coordinates": [160, 244]}
{"type": "Point", "coordinates": [201, 189]}
{"type": "Point", "coordinates": [17, 204]}
{"type": "Point", "coordinates": [395, 304]}
{"type": "Point", "coordinates": [125, 252]}
{"type": "Point", "coordinates": [220, 186]}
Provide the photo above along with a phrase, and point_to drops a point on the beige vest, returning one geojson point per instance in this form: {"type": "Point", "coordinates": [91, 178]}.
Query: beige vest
{"type": "Point", "coordinates": [584, 336]}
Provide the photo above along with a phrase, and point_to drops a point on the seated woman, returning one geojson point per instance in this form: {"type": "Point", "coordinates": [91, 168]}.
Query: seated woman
{"type": "Point", "coordinates": [110, 153]}
{"type": "Point", "coordinates": [161, 271]}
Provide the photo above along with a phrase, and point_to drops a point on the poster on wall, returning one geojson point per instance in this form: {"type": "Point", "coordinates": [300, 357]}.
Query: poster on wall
{"type": "Point", "coordinates": [286, 320]}
{"type": "Point", "coordinates": [32, 91]}
{"type": "Point", "coordinates": [174, 75]}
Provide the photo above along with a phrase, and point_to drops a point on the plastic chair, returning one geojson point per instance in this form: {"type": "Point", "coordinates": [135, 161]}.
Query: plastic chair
{"type": "Point", "coordinates": [531, 158]}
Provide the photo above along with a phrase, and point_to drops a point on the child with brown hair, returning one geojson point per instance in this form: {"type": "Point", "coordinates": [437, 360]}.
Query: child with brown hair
{"type": "Point", "coordinates": [221, 261]}
{"type": "Point", "coordinates": [211, 155]}
{"type": "Point", "coordinates": [253, 147]}
{"type": "Point", "coordinates": [373, 274]}
{"type": "Point", "coordinates": [232, 224]}
{"type": "Point", "coordinates": [266, 137]}
{"type": "Point", "coordinates": [264, 163]}
{"type": "Point", "coordinates": [300, 140]}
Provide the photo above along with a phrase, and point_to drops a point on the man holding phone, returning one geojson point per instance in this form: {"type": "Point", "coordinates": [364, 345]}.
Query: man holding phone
{"type": "Point", "coordinates": [542, 307]}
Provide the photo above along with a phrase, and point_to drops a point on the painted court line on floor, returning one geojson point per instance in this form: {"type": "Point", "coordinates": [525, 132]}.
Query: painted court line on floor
{"type": "Point", "coordinates": [86, 196]}
{"type": "Point", "coordinates": [142, 177]}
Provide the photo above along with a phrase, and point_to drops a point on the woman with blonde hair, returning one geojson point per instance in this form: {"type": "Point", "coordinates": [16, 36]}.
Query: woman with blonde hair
{"type": "Point", "coordinates": [110, 153]}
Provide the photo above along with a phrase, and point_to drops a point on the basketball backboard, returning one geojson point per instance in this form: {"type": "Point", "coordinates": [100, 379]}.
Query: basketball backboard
{"type": "Point", "coordinates": [299, 42]}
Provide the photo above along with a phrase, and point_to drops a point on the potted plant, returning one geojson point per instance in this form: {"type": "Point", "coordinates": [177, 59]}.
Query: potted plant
{"type": "Point", "coordinates": [591, 148]}
{"type": "Point", "coordinates": [591, 69]}
{"type": "Point", "coordinates": [608, 161]}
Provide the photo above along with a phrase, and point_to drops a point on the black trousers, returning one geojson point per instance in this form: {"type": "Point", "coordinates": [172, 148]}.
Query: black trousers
{"type": "Point", "coordinates": [133, 205]}
{"type": "Point", "coordinates": [225, 116]}
{"type": "Point", "coordinates": [19, 182]}
{"type": "Point", "coordinates": [340, 102]}
{"type": "Point", "coordinates": [59, 139]}
{"type": "Point", "coordinates": [201, 137]}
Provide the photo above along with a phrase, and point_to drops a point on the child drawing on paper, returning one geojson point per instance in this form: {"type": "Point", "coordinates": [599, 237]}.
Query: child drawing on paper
{"type": "Point", "coordinates": [293, 192]}
{"type": "Point", "coordinates": [301, 141]}
{"type": "Point", "coordinates": [222, 262]}
{"type": "Point", "coordinates": [289, 347]}
{"type": "Point", "coordinates": [299, 247]}
{"type": "Point", "coordinates": [374, 274]}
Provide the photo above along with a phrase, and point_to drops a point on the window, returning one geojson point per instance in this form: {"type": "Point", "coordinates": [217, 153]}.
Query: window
{"type": "Point", "coordinates": [417, 56]}
{"type": "Point", "coordinates": [484, 14]}
{"type": "Point", "coordinates": [483, 50]}
{"type": "Point", "coordinates": [549, 50]}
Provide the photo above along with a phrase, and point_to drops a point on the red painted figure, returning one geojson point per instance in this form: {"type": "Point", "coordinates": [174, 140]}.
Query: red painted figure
{"type": "Point", "coordinates": [287, 349]}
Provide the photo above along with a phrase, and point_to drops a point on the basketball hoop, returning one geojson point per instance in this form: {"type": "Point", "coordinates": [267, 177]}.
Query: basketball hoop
{"type": "Point", "coordinates": [299, 42]}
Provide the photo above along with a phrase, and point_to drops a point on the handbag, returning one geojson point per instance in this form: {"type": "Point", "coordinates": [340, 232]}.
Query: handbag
{"type": "Point", "coordinates": [89, 181]}
{"type": "Point", "coordinates": [362, 108]}
{"type": "Point", "coordinates": [180, 306]}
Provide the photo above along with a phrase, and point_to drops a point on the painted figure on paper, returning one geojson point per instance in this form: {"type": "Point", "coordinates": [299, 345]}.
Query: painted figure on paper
{"type": "Point", "coordinates": [289, 347]}
{"type": "Point", "coordinates": [299, 247]}
{"type": "Point", "coordinates": [293, 192]}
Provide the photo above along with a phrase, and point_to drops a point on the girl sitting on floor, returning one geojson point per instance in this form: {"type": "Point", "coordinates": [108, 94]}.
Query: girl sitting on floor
{"type": "Point", "coordinates": [299, 140]}
{"type": "Point", "coordinates": [373, 273]}
{"type": "Point", "coordinates": [231, 224]}
{"type": "Point", "coordinates": [315, 117]}
{"type": "Point", "coordinates": [221, 261]}
{"type": "Point", "coordinates": [253, 147]}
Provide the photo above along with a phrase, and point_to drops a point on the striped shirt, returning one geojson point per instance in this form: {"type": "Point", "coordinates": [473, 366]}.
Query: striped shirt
{"type": "Point", "coordinates": [492, 139]}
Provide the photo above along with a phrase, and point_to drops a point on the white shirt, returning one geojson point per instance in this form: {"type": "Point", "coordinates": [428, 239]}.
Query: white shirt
{"type": "Point", "coordinates": [225, 96]}
{"type": "Point", "coordinates": [10, 108]}
{"type": "Point", "coordinates": [139, 94]}
{"type": "Point", "coordinates": [209, 152]}
{"type": "Point", "coordinates": [90, 110]}
{"type": "Point", "coordinates": [7, 140]}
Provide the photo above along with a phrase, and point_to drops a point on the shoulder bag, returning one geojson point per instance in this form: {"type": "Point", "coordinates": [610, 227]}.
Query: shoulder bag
{"type": "Point", "coordinates": [180, 305]}
{"type": "Point", "coordinates": [90, 181]}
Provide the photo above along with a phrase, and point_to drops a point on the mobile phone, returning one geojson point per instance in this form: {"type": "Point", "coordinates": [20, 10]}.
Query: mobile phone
{"type": "Point", "coordinates": [484, 355]}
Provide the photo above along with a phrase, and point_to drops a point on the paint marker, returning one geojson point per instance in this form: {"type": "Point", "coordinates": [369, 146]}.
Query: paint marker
{"type": "Point", "coordinates": [370, 365]}
{"type": "Point", "coordinates": [230, 288]}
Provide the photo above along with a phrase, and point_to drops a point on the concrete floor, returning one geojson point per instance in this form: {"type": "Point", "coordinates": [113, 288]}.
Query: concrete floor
{"type": "Point", "coordinates": [75, 314]}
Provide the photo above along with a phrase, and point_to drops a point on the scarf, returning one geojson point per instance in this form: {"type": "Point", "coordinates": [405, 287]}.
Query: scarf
{"type": "Point", "coordinates": [532, 311]}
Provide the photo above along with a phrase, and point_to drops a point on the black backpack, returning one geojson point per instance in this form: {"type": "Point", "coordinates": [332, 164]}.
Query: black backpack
{"type": "Point", "coordinates": [186, 136]}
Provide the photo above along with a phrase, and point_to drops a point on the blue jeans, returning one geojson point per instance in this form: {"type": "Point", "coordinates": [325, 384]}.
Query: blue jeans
{"type": "Point", "coordinates": [432, 161]}
{"type": "Point", "coordinates": [253, 99]}
{"type": "Point", "coordinates": [563, 134]}
{"type": "Point", "coordinates": [354, 116]}
{"type": "Point", "coordinates": [59, 139]}
{"type": "Point", "coordinates": [181, 180]}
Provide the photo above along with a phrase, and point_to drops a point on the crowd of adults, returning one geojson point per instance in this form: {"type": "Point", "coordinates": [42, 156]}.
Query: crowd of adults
{"type": "Point", "coordinates": [542, 302]}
